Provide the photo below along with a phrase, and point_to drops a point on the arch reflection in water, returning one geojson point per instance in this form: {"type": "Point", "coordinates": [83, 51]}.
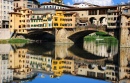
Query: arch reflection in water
{"type": "Point", "coordinates": [103, 49]}
{"type": "Point", "coordinates": [23, 65]}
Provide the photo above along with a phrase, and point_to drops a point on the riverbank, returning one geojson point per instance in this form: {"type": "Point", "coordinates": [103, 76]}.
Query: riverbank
{"type": "Point", "coordinates": [14, 41]}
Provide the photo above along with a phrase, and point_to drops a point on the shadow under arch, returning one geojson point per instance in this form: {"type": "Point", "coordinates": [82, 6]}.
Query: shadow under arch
{"type": "Point", "coordinates": [40, 35]}
{"type": "Point", "coordinates": [92, 19]}
{"type": "Point", "coordinates": [80, 52]}
{"type": "Point", "coordinates": [40, 48]}
{"type": "Point", "coordinates": [79, 36]}
{"type": "Point", "coordinates": [103, 20]}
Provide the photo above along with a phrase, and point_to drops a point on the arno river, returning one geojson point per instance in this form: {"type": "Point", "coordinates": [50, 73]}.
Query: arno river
{"type": "Point", "coordinates": [90, 62]}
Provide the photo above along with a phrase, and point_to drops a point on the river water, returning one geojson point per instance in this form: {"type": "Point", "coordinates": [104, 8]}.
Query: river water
{"type": "Point", "coordinates": [92, 61]}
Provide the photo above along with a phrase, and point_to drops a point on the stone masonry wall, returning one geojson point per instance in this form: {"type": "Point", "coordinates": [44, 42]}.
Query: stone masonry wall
{"type": "Point", "coordinates": [5, 34]}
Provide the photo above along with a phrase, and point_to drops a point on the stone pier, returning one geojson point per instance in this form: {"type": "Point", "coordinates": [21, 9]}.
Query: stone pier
{"type": "Point", "coordinates": [124, 37]}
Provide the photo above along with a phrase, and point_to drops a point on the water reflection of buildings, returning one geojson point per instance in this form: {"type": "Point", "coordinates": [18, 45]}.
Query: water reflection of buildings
{"type": "Point", "coordinates": [40, 62]}
{"type": "Point", "coordinates": [21, 64]}
{"type": "Point", "coordinates": [101, 49]}
{"type": "Point", "coordinates": [6, 75]}
{"type": "Point", "coordinates": [108, 72]}
{"type": "Point", "coordinates": [62, 66]}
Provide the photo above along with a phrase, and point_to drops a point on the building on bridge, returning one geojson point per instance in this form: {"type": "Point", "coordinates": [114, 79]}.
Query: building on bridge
{"type": "Point", "coordinates": [26, 3]}
{"type": "Point", "coordinates": [95, 15]}
{"type": "Point", "coordinates": [64, 20]}
{"type": "Point", "coordinates": [22, 20]}
{"type": "Point", "coordinates": [106, 18]}
{"type": "Point", "coordinates": [54, 5]}
{"type": "Point", "coordinates": [84, 5]}
{"type": "Point", "coordinates": [36, 21]}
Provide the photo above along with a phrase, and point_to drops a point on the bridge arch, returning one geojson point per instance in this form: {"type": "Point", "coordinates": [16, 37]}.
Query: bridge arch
{"type": "Point", "coordinates": [80, 33]}
{"type": "Point", "coordinates": [79, 36]}
{"type": "Point", "coordinates": [40, 35]}
{"type": "Point", "coordinates": [93, 20]}
{"type": "Point", "coordinates": [103, 21]}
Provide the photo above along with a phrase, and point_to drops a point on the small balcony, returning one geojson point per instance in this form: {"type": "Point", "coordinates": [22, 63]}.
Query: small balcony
{"type": "Point", "coordinates": [110, 11]}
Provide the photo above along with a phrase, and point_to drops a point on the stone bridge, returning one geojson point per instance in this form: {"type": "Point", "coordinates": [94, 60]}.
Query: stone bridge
{"type": "Point", "coordinates": [77, 34]}
{"type": "Point", "coordinates": [73, 35]}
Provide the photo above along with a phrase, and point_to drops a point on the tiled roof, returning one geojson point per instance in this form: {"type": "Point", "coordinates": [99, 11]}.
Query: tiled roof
{"type": "Point", "coordinates": [85, 3]}
{"type": "Point", "coordinates": [40, 9]}
{"type": "Point", "coordinates": [69, 13]}
{"type": "Point", "coordinates": [76, 3]}
{"type": "Point", "coordinates": [49, 3]}
{"type": "Point", "coordinates": [80, 9]}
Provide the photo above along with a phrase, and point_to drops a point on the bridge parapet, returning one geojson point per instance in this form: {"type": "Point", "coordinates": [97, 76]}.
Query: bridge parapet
{"type": "Point", "coordinates": [91, 27]}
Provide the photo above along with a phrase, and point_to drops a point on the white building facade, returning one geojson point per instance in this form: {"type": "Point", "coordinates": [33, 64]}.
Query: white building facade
{"type": "Point", "coordinates": [6, 75]}
{"type": "Point", "coordinates": [53, 6]}
{"type": "Point", "coordinates": [6, 6]}
{"type": "Point", "coordinates": [84, 5]}
{"type": "Point", "coordinates": [26, 3]}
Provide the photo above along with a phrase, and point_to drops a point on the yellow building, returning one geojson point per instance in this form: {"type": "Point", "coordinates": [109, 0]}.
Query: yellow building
{"type": "Point", "coordinates": [62, 66]}
{"type": "Point", "coordinates": [64, 19]}
{"type": "Point", "coordinates": [19, 62]}
{"type": "Point", "coordinates": [20, 20]}
{"type": "Point", "coordinates": [58, 19]}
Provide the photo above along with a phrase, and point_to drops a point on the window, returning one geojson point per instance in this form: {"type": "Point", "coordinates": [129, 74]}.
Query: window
{"type": "Point", "coordinates": [10, 20]}
{"type": "Point", "coordinates": [4, 7]}
{"type": "Point", "coordinates": [55, 19]}
{"type": "Point", "coordinates": [23, 26]}
{"type": "Point", "coordinates": [4, 12]}
{"type": "Point", "coordinates": [19, 26]}
{"type": "Point", "coordinates": [23, 11]}
{"type": "Point", "coordinates": [126, 10]}
{"type": "Point", "coordinates": [92, 12]}
{"type": "Point", "coordinates": [33, 16]}
{"type": "Point", "coordinates": [16, 4]}
{"type": "Point", "coordinates": [10, 26]}
{"type": "Point", "coordinates": [49, 25]}
{"type": "Point", "coordinates": [114, 18]}
{"type": "Point", "coordinates": [55, 24]}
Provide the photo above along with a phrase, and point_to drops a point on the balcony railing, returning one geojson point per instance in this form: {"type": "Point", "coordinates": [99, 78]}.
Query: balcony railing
{"type": "Point", "coordinates": [92, 27]}
{"type": "Point", "coordinates": [126, 13]}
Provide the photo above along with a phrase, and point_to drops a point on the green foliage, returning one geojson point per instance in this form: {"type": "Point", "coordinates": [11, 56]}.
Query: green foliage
{"type": "Point", "coordinates": [100, 35]}
{"type": "Point", "coordinates": [3, 41]}
{"type": "Point", "coordinates": [18, 41]}
{"type": "Point", "coordinates": [14, 41]}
